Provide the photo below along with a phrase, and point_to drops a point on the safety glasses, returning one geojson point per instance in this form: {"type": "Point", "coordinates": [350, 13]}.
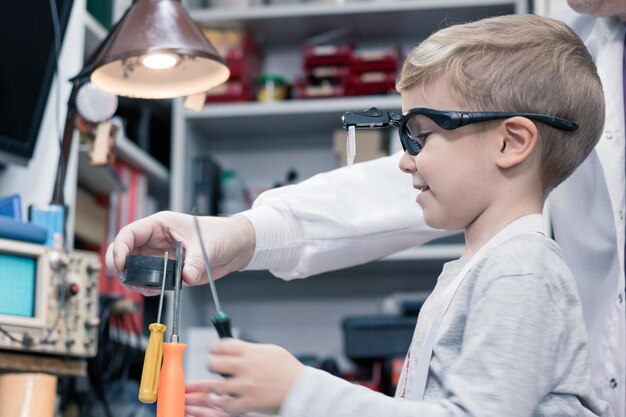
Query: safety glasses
{"type": "Point", "coordinates": [412, 134]}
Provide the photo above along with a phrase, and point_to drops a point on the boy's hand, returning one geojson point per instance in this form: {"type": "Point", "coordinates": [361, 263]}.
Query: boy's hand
{"type": "Point", "coordinates": [258, 376]}
{"type": "Point", "coordinates": [229, 242]}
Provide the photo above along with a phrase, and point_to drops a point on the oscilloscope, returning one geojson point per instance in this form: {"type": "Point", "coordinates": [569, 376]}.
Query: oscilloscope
{"type": "Point", "coordinates": [48, 299]}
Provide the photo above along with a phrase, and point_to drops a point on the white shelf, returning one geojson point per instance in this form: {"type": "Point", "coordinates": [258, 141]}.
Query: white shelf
{"type": "Point", "coordinates": [94, 34]}
{"type": "Point", "coordinates": [365, 19]}
{"type": "Point", "coordinates": [282, 118]}
{"type": "Point", "coordinates": [158, 174]}
{"type": "Point", "coordinates": [100, 180]}
{"type": "Point", "coordinates": [293, 107]}
{"type": "Point", "coordinates": [103, 180]}
{"type": "Point", "coordinates": [305, 10]}
{"type": "Point", "coordinates": [428, 252]}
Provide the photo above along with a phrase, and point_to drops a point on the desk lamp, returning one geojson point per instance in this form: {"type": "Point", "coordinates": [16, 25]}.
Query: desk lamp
{"type": "Point", "coordinates": [156, 51]}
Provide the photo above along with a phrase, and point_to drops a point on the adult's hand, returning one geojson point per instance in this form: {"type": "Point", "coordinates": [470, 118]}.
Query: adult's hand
{"type": "Point", "coordinates": [229, 242]}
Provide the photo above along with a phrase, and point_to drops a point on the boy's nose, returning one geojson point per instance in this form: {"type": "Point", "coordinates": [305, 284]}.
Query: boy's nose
{"type": "Point", "coordinates": [407, 163]}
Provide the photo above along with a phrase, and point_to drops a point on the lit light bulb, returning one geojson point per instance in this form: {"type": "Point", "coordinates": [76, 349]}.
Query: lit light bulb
{"type": "Point", "coordinates": [159, 61]}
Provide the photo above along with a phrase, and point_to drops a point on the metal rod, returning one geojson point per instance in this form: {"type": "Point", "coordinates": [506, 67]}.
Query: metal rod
{"type": "Point", "coordinates": [207, 266]}
{"type": "Point", "coordinates": [165, 255]}
{"type": "Point", "coordinates": [177, 287]}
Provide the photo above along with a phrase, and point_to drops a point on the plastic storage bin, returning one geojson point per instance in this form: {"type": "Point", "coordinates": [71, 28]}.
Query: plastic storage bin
{"type": "Point", "coordinates": [377, 337]}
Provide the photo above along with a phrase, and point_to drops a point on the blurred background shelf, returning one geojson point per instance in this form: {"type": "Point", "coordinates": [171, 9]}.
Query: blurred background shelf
{"type": "Point", "coordinates": [158, 174]}
{"type": "Point", "coordinates": [370, 19]}
{"type": "Point", "coordinates": [99, 180]}
{"type": "Point", "coordinates": [103, 180]}
{"type": "Point", "coordinates": [290, 116]}
{"type": "Point", "coordinates": [444, 252]}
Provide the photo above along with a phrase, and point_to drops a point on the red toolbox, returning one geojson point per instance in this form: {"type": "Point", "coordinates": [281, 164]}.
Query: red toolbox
{"type": "Point", "coordinates": [369, 60]}
{"type": "Point", "coordinates": [327, 55]}
{"type": "Point", "coordinates": [371, 83]}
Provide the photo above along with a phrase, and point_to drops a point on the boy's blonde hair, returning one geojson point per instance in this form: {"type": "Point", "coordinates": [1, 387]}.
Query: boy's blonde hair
{"type": "Point", "coordinates": [519, 63]}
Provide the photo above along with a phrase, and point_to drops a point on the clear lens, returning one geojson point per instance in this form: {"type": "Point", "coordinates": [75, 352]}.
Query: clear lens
{"type": "Point", "coordinates": [410, 135]}
{"type": "Point", "coordinates": [413, 128]}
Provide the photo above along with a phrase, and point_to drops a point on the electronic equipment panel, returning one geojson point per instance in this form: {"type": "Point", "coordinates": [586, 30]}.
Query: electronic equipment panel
{"type": "Point", "coordinates": [48, 299]}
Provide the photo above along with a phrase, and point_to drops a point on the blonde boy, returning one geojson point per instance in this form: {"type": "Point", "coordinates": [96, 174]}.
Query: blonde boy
{"type": "Point", "coordinates": [496, 114]}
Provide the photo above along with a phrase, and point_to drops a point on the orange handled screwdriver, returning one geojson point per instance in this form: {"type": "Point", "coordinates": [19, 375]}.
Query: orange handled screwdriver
{"type": "Point", "coordinates": [172, 381]}
{"type": "Point", "coordinates": [154, 352]}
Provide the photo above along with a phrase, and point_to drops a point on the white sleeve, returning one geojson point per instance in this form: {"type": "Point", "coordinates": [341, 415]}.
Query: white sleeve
{"type": "Point", "coordinates": [337, 219]}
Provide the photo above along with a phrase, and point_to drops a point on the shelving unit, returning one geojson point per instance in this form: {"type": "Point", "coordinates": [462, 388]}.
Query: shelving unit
{"type": "Point", "coordinates": [365, 19]}
{"type": "Point", "coordinates": [158, 174]}
{"type": "Point", "coordinates": [104, 180]}
{"type": "Point", "coordinates": [100, 180]}
{"type": "Point", "coordinates": [292, 116]}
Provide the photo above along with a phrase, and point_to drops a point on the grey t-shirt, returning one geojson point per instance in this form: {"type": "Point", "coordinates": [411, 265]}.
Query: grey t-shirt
{"type": "Point", "coordinates": [512, 344]}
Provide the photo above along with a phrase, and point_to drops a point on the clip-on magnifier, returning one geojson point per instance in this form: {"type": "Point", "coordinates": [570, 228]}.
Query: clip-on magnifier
{"type": "Point", "coordinates": [371, 118]}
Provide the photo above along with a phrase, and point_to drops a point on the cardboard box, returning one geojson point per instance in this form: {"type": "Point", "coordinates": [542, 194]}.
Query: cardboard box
{"type": "Point", "coordinates": [370, 144]}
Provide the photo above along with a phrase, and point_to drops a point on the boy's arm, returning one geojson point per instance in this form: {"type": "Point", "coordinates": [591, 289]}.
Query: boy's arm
{"type": "Point", "coordinates": [267, 378]}
{"type": "Point", "coordinates": [337, 219]}
{"type": "Point", "coordinates": [317, 393]}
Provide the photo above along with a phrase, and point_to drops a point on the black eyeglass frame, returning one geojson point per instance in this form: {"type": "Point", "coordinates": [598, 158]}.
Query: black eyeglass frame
{"type": "Point", "coordinates": [450, 120]}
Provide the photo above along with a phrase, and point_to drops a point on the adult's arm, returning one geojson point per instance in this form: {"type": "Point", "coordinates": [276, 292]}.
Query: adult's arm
{"type": "Point", "coordinates": [337, 219]}
{"type": "Point", "coordinates": [334, 220]}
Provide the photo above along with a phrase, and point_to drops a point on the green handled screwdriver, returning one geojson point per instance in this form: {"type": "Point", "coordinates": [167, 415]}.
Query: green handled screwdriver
{"type": "Point", "coordinates": [220, 320]}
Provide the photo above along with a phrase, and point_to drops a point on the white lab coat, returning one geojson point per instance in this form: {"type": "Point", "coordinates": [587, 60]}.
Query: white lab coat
{"type": "Point", "coordinates": [348, 217]}
{"type": "Point", "coordinates": [587, 214]}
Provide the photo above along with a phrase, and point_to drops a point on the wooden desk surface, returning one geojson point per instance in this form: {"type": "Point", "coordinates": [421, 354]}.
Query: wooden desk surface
{"type": "Point", "coordinates": [24, 362]}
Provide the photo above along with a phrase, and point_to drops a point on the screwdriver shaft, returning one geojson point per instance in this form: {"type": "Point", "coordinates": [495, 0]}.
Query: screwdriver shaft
{"type": "Point", "coordinates": [165, 257]}
{"type": "Point", "coordinates": [216, 300]}
{"type": "Point", "coordinates": [177, 287]}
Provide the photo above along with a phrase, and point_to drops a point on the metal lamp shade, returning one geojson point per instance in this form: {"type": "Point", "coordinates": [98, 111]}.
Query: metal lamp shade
{"type": "Point", "coordinates": [157, 26]}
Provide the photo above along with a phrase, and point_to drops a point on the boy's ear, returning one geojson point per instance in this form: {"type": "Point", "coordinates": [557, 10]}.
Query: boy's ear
{"type": "Point", "coordinates": [519, 138]}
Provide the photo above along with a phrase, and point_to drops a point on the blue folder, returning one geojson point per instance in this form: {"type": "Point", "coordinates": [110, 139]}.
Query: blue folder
{"type": "Point", "coordinates": [13, 229]}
